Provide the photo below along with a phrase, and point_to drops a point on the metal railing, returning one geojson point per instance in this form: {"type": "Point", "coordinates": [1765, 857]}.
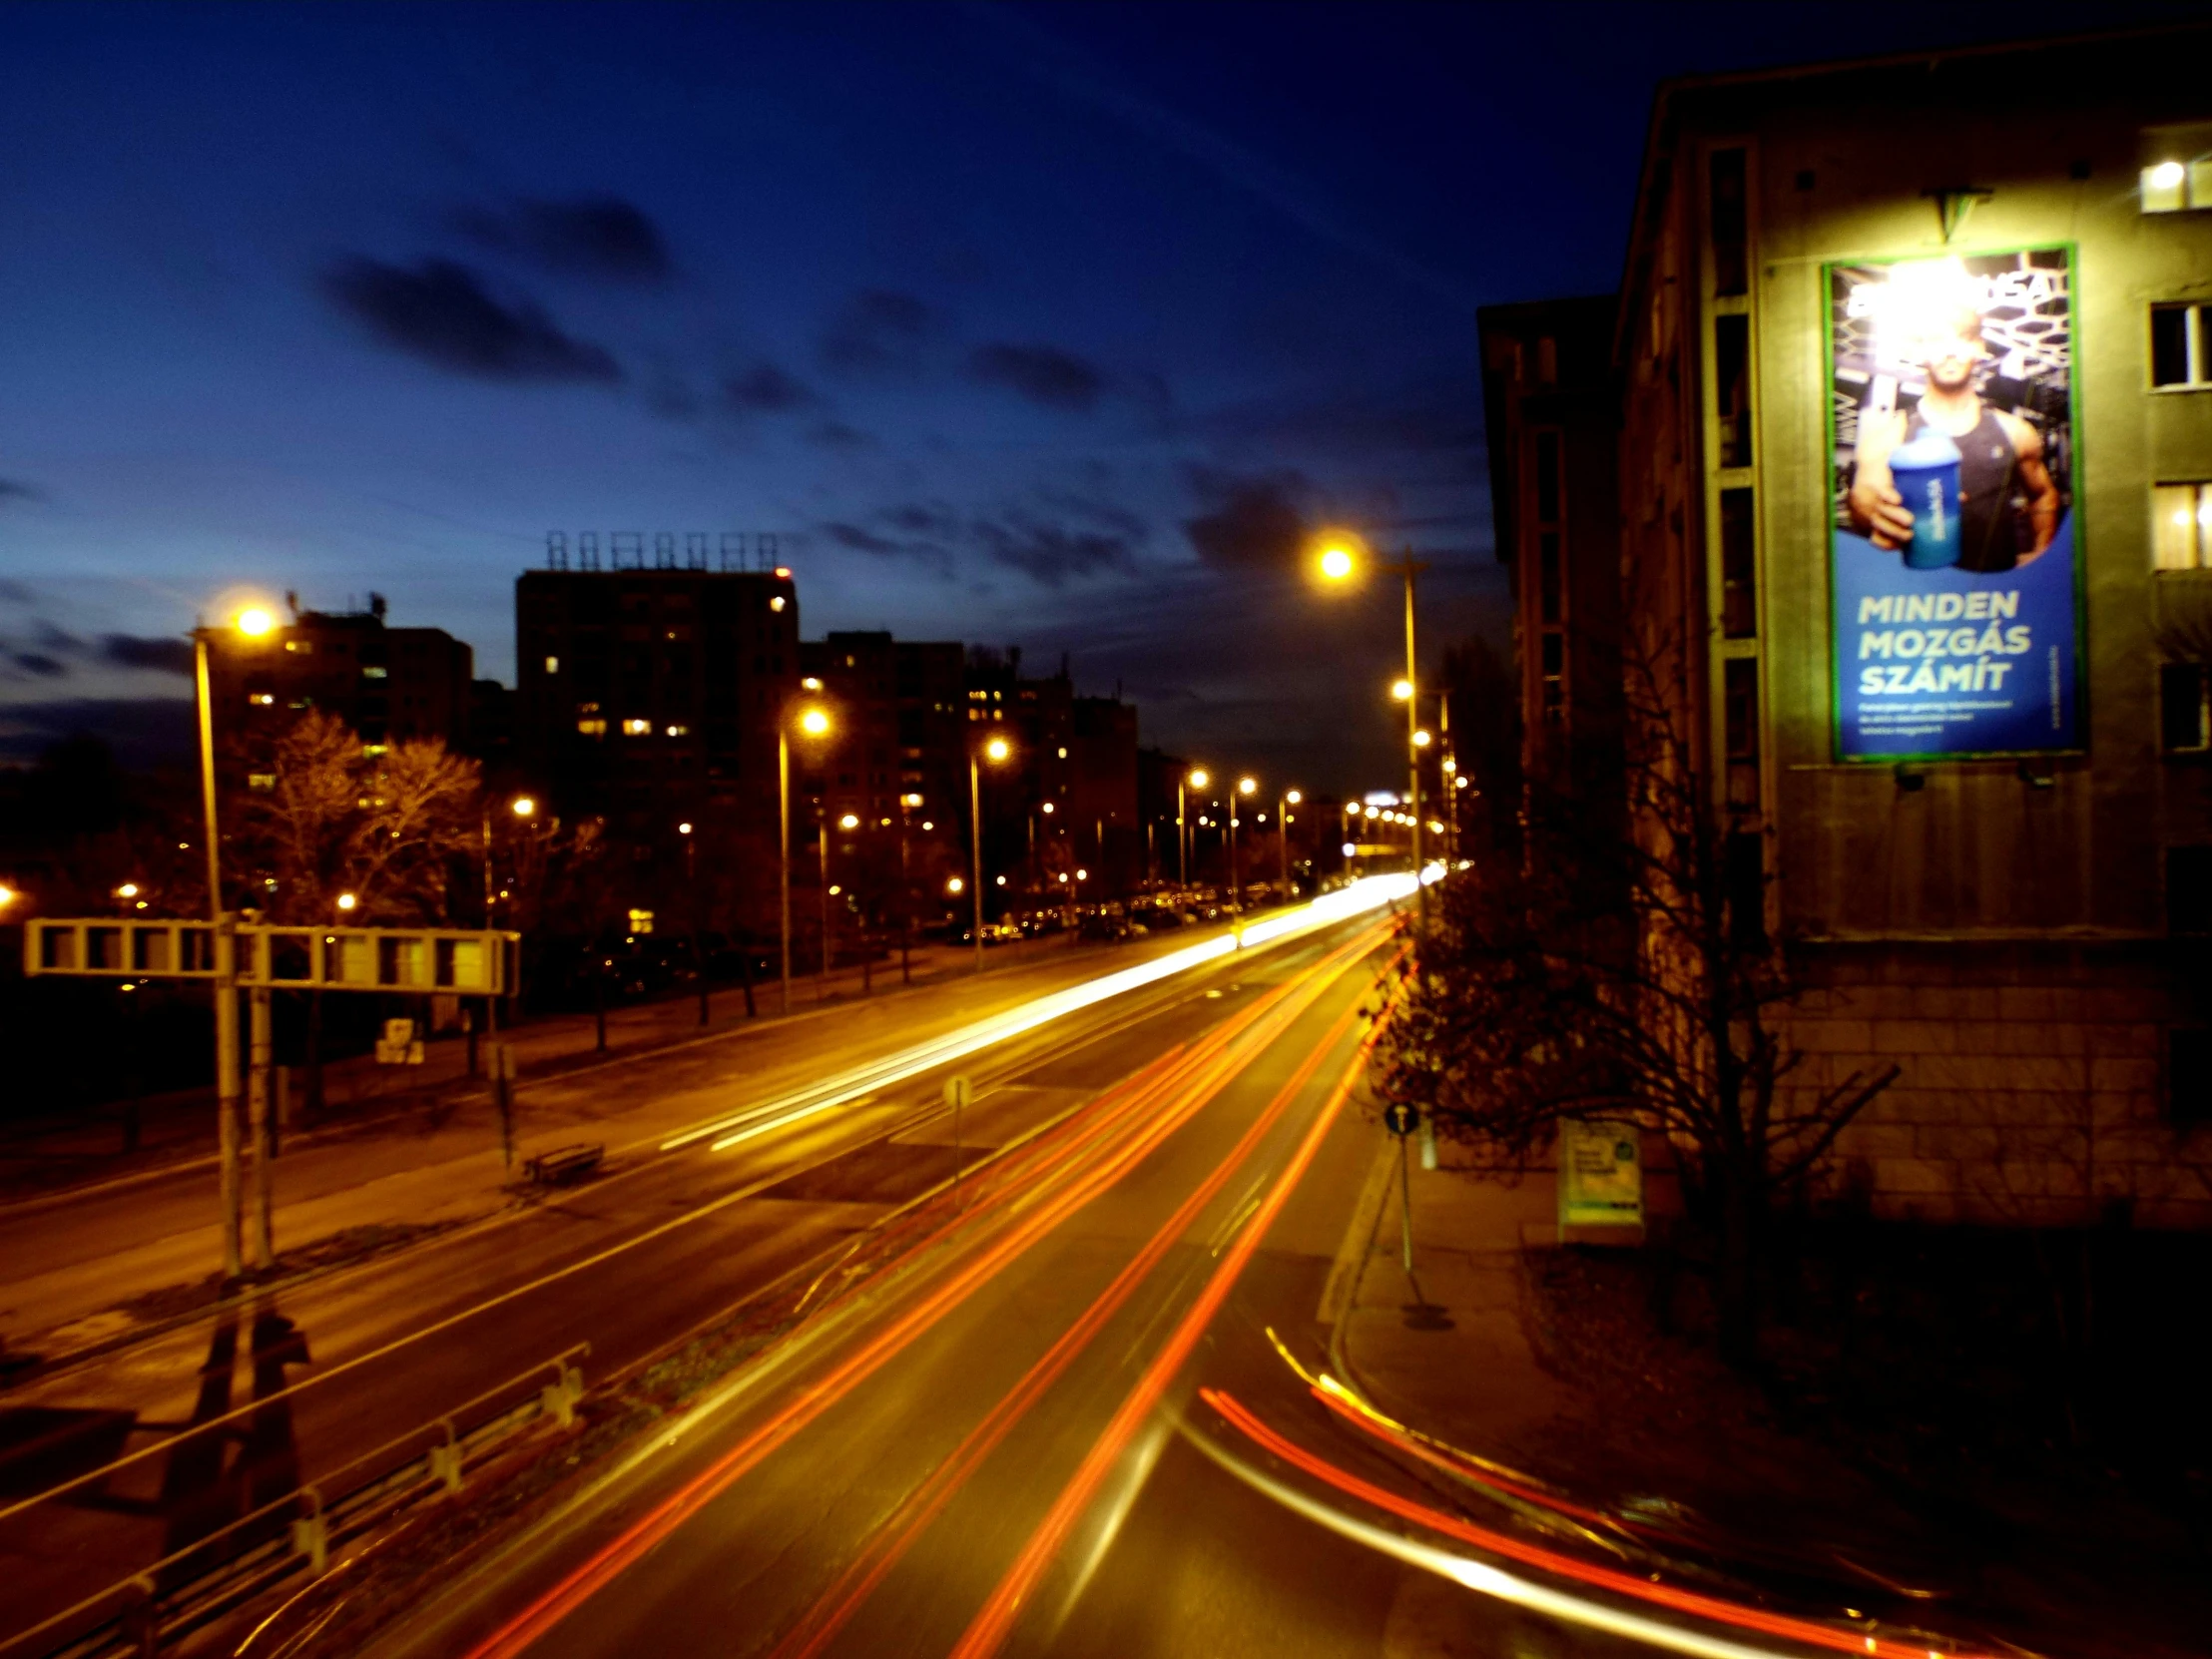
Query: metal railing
{"type": "Point", "coordinates": [214, 1573]}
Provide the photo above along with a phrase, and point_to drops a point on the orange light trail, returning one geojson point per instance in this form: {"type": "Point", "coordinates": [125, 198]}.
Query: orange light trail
{"type": "Point", "coordinates": [1808, 1631]}
{"type": "Point", "coordinates": [860, 1580]}
{"type": "Point", "coordinates": [990, 1626]}
{"type": "Point", "coordinates": [1181, 1092]}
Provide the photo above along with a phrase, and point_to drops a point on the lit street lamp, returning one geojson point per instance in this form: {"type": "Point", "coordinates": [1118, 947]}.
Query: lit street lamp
{"type": "Point", "coordinates": [250, 623]}
{"type": "Point", "coordinates": [1282, 805]}
{"type": "Point", "coordinates": [1197, 779]}
{"type": "Point", "coordinates": [1246, 788]}
{"type": "Point", "coordinates": [994, 750]}
{"type": "Point", "coordinates": [812, 722]}
{"type": "Point", "coordinates": [1340, 562]}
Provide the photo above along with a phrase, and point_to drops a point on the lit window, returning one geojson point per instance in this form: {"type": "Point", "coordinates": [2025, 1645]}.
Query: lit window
{"type": "Point", "coordinates": [260, 779]}
{"type": "Point", "coordinates": [775, 604]}
{"type": "Point", "coordinates": [679, 731]}
{"type": "Point", "coordinates": [637, 728]}
{"type": "Point", "coordinates": [373, 672]}
{"type": "Point", "coordinates": [1063, 754]}
{"type": "Point", "coordinates": [2171, 186]}
{"type": "Point", "coordinates": [641, 921]}
{"type": "Point", "coordinates": [552, 665]}
{"type": "Point", "coordinates": [2180, 347]}
{"type": "Point", "coordinates": [2181, 526]}
{"type": "Point", "coordinates": [263, 700]}
{"type": "Point", "coordinates": [592, 727]}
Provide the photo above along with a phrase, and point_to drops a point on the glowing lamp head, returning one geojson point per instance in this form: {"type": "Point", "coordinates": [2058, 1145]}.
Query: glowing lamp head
{"type": "Point", "coordinates": [954, 885]}
{"type": "Point", "coordinates": [813, 722]}
{"type": "Point", "coordinates": [525, 805]}
{"type": "Point", "coordinates": [1200, 778]}
{"type": "Point", "coordinates": [6, 896]}
{"type": "Point", "coordinates": [1046, 809]}
{"type": "Point", "coordinates": [1248, 785]}
{"type": "Point", "coordinates": [909, 801]}
{"type": "Point", "coordinates": [129, 890]}
{"type": "Point", "coordinates": [1337, 563]}
{"type": "Point", "coordinates": [998, 749]}
{"type": "Point", "coordinates": [1421, 739]}
{"type": "Point", "coordinates": [253, 622]}
{"type": "Point", "coordinates": [809, 684]}
{"type": "Point", "coordinates": [1294, 798]}
{"type": "Point", "coordinates": [1402, 690]}
{"type": "Point", "coordinates": [1082, 876]}
{"type": "Point", "coordinates": [848, 821]}
{"type": "Point", "coordinates": [347, 901]}
{"type": "Point", "coordinates": [2167, 174]}
{"type": "Point", "coordinates": [682, 828]}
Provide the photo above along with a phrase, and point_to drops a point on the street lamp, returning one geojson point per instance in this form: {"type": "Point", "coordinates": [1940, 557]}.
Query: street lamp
{"type": "Point", "coordinates": [996, 751]}
{"type": "Point", "coordinates": [1246, 787]}
{"type": "Point", "coordinates": [250, 623]}
{"type": "Point", "coordinates": [1282, 805]}
{"type": "Point", "coordinates": [812, 722]}
{"type": "Point", "coordinates": [1196, 779]}
{"type": "Point", "coordinates": [1340, 561]}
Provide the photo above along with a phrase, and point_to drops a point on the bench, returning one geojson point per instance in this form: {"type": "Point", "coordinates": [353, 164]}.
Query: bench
{"type": "Point", "coordinates": [565, 1164]}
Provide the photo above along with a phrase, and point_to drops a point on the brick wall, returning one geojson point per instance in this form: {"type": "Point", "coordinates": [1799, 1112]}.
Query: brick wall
{"type": "Point", "coordinates": [2031, 1089]}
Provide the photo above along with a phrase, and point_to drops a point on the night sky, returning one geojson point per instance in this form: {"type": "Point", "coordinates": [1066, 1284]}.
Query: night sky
{"type": "Point", "coordinates": [1044, 326]}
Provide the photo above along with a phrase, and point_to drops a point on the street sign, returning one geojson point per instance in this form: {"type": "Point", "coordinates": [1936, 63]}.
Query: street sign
{"type": "Point", "coordinates": [457, 962]}
{"type": "Point", "coordinates": [1601, 1174]}
{"type": "Point", "coordinates": [399, 1046]}
{"type": "Point", "coordinates": [1400, 1118]}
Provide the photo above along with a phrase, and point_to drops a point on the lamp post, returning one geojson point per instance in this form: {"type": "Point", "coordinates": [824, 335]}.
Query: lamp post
{"type": "Point", "coordinates": [1282, 805]}
{"type": "Point", "coordinates": [1196, 778]}
{"type": "Point", "coordinates": [813, 722]}
{"type": "Point", "coordinates": [994, 750]}
{"type": "Point", "coordinates": [1340, 563]}
{"type": "Point", "coordinates": [522, 807]}
{"type": "Point", "coordinates": [253, 623]}
{"type": "Point", "coordinates": [1245, 790]}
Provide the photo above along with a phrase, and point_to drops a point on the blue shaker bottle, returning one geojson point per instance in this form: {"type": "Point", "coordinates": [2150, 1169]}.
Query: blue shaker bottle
{"type": "Point", "coordinates": [1925, 469]}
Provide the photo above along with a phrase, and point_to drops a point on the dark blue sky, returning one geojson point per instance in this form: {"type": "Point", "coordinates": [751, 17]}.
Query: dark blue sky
{"type": "Point", "coordinates": [1030, 325]}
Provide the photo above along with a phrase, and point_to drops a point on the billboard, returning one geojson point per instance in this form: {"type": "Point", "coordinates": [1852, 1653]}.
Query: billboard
{"type": "Point", "coordinates": [1954, 572]}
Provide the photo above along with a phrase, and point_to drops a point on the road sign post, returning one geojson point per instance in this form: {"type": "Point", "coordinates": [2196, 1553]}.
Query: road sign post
{"type": "Point", "coordinates": [259, 957]}
{"type": "Point", "coordinates": [960, 1093]}
{"type": "Point", "coordinates": [1401, 1120]}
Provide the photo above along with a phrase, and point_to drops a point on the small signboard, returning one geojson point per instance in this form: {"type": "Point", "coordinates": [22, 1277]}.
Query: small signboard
{"type": "Point", "coordinates": [1601, 1174]}
{"type": "Point", "coordinates": [399, 1046]}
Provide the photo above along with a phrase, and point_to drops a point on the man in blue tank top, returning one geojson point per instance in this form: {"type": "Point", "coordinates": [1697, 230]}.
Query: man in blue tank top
{"type": "Point", "coordinates": [2008, 505]}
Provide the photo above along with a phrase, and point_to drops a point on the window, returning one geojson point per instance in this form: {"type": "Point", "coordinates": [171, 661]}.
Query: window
{"type": "Point", "coordinates": [637, 728]}
{"type": "Point", "coordinates": [1739, 567]}
{"type": "Point", "coordinates": [2180, 345]}
{"type": "Point", "coordinates": [2172, 185]}
{"type": "Point", "coordinates": [1745, 871]}
{"type": "Point", "coordinates": [1548, 598]}
{"type": "Point", "coordinates": [2188, 1076]}
{"type": "Point", "coordinates": [374, 671]}
{"type": "Point", "coordinates": [552, 665]}
{"type": "Point", "coordinates": [1732, 387]}
{"type": "Point", "coordinates": [2181, 526]}
{"type": "Point", "coordinates": [2182, 722]}
{"type": "Point", "coordinates": [2189, 890]}
{"type": "Point", "coordinates": [592, 727]}
{"type": "Point", "coordinates": [678, 732]}
{"type": "Point", "coordinates": [1552, 692]}
{"type": "Point", "coordinates": [1740, 729]}
{"type": "Point", "coordinates": [1547, 360]}
{"type": "Point", "coordinates": [1550, 507]}
{"type": "Point", "coordinates": [1729, 222]}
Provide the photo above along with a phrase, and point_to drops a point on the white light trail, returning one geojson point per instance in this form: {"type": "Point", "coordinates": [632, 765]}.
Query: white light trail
{"type": "Point", "coordinates": [1369, 893]}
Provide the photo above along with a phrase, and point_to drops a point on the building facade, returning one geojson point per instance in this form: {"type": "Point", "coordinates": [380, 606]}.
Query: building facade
{"type": "Point", "coordinates": [388, 683]}
{"type": "Point", "coordinates": [1915, 517]}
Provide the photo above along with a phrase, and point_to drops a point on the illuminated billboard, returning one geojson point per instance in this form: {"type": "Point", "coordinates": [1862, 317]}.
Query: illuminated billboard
{"type": "Point", "coordinates": [1954, 571]}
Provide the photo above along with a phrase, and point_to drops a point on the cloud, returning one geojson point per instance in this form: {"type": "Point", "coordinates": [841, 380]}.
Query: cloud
{"type": "Point", "coordinates": [598, 236]}
{"type": "Point", "coordinates": [162, 654]}
{"type": "Point", "coordinates": [862, 540]}
{"type": "Point", "coordinates": [765, 389]}
{"type": "Point", "coordinates": [1251, 521]}
{"type": "Point", "coordinates": [1042, 374]}
{"type": "Point", "coordinates": [1051, 553]}
{"type": "Point", "coordinates": [836, 434]}
{"type": "Point", "coordinates": [877, 329]}
{"type": "Point", "coordinates": [13, 490]}
{"type": "Point", "coordinates": [37, 663]}
{"type": "Point", "coordinates": [441, 314]}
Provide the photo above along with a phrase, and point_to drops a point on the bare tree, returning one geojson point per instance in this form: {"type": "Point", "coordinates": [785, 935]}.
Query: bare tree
{"type": "Point", "coordinates": [1616, 964]}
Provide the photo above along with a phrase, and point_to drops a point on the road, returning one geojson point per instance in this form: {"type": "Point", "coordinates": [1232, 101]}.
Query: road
{"type": "Point", "coordinates": [993, 1449]}
{"type": "Point", "coordinates": [661, 1244]}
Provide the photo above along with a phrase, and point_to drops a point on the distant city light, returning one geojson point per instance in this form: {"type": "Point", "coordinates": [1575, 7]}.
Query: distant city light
{"type": "Point", "coordinates": [956, 885]}
{"type": "Point", "coordinates": [683, 829]}
{"type": "Point", "coordinates": [998, 748]}
{"type": "Point", "coordinates": [347, 901]}
{"type": "Point", "coordinates": [1046, 808]}
{"type": "Point", "coordinates": [1350, 850]}
{"type": "Point", "coordinates": [129, 890]}
{"type": "Point", "coordinates": [851, 820]}
{"type": "Point", "coordinates": [525, 805]}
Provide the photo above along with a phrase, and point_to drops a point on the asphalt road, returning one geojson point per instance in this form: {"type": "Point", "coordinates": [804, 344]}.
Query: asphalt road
{"type": "Point", "coordinates": [991, 1449]}
{"type": "Point", "coordinates": [659, 1244]}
